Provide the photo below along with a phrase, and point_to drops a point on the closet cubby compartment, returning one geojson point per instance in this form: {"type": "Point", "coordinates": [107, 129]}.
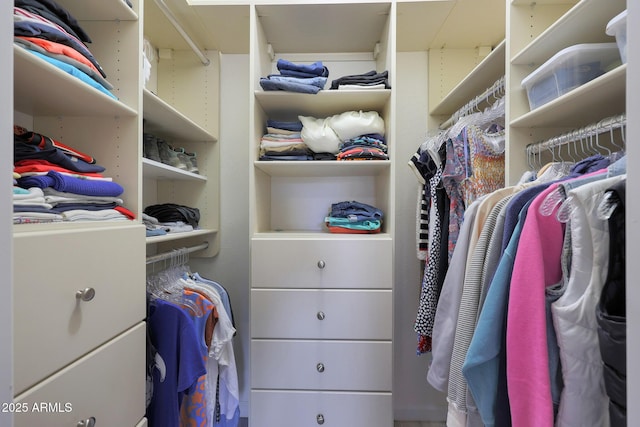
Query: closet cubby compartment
{"type": "Point", "coordinates": [54, 103]}
{"type": "Point", "coordinates": [295, 196]}
{"type": "Point", "coordinates": [538, 32]}
{"type": "Point", "coordinates": [181, 106]}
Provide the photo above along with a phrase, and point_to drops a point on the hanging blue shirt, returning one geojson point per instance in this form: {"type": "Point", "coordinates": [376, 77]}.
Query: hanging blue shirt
{"type": "Point", "coordinates": [177, 363]}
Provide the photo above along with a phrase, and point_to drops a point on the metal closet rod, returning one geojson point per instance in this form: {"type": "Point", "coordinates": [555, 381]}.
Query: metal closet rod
{"type": "Point", "coordinates": [171, 17]}
{"type": "Point", "coordinates": [496, 89]}
{"type": "Point", "coordinates": [176, 252]}
{"type": "Point", "coordinates": [603, 126]}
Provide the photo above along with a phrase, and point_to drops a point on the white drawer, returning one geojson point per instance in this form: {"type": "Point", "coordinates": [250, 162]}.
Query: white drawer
{"type": "Point", "coordinates": [108, 384]}
{"type": "Point", "coordinates": [321, 365]}
{"type": "Point", "coordinates": [321, 314]}
{"type": "Point", "coordinates": [322, 262]}
{"type": "Point", "coordinates": [311, 409]}
{"type": "Point", "coordinates": [51, 326]}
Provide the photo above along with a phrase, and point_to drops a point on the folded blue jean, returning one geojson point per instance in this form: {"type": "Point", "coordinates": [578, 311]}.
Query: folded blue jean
{"type": "Point", "coordinates": [356, 211]}
{"type": "Point", "coordinates": [295, 126]}
{"type": "Point", "coordinates": [315, 81]}
{"type": "Point", "coordinates": [315, 69]}
{"type": "Point", "coordinates": [273, 85]}
{"type": "Point", "coordinates": [286, 158]}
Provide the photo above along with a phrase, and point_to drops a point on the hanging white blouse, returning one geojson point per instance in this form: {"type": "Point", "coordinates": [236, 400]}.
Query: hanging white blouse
{"type": "Point", "coordinates": [583, 400]}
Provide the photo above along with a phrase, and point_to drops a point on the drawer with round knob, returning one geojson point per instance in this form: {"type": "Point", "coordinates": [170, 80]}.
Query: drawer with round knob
{"type": "Point", "coordinates": [98, 292]}
{"type": "Point", "coordinates": [319, 408]}
{"type": "Point", "coordinates": [322, 262]}
{"type": "Point", "coordinates": [321, 365]}
{"type": "Point", "coordinates": [104, 388]}
{"type": "Point", "coordinates": [321, 314]}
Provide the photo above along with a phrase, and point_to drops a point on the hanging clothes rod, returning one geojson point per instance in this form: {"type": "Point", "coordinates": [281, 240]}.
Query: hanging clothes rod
{"type": "Point", "coordinates": [495, 90]}
{"type": "Point", "coordinates": [608, 124]}
{"type": "Point", "coordinates": [181, 251]}
{"type": "Point", "coordinates": [174, 21]}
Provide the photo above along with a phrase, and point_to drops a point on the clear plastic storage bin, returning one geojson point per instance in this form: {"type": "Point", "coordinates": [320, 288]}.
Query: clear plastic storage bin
{"type": "Point", "coordinates": [568, 69]}
{"type": "Point", "coordinates": [618, 27]}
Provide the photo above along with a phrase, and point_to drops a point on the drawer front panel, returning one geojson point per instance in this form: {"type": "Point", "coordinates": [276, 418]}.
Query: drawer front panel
{"type": "Point", "coordinates": [321, 365]}
{"type": "Point", "coordinates": [329, 409]}
{"type": "Point", "coordinates": [321, 263]}
{"type": "Point", "coordinates": [107, 384]}
{"type": "Point", "coordinates": [321, 314]}
{"type": "Point", "coordinates": [110, 261]}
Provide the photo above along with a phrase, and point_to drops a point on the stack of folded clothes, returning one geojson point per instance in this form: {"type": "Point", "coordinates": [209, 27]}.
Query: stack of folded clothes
{"type": "Point", "coordinates": [369, 80]}
{"type": "Point", "coordinates": [167, 218]}
{"type": "Point", "coordinates": [302, 78]}
{"type": "Point", "coordinates": [55, 182]}
{"type": "Point", "coordinates": [284, 142]}
{"type": "Point", "coordinates": [325, 136]}
{"type": "Point", "coordinates": [364, 147]}
{"type": "Point", "coordinates": [48, 31]}
{"type": "Point", "coordinates": [354, 217]}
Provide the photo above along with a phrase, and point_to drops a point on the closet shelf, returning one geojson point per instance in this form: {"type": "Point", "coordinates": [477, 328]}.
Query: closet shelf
{"type": "Point", "coordinates": [584, 23]}
{"type": "Point", "coordinates": [68, 226]}
{"type": "Point", "coordinates": [528, 2]}
{"type": "Point", "coordinates": [162, 118]}
{"type": "Point", "coordinates": [157, 170]}
{"type": "Point", "coordinates": [354, 27]}
{"type": "Point", "coordinates": [316, 235]}
{"type": "Point", "coordinates": [490, 69]}
{"type": "Point", "coordinates": [424, 25]}
{"type": "Point", "coordinates": [180, 236]}
{"type": "Point", "coordinates": [99, 10]}
{"type": "Point", "coordinates": [58, 93]}
{"type": "Point", "coordinates": [215, 25]}
{"type": "Point", "coordinates": [599, 98]}
{"type": "Point", "coordinates": [323, 168]}
{"type": "Point", "coordinates": [324, 103]}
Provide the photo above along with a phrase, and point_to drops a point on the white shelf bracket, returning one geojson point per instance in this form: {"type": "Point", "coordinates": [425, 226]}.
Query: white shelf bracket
{"type": "Point", "coordinates": [376, 50]}
{"type": "Point", "coordinates": [270, 51]}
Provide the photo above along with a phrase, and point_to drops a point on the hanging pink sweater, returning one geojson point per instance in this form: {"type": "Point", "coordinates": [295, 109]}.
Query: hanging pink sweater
{"type": "Point", "coordinates": [537, 265]}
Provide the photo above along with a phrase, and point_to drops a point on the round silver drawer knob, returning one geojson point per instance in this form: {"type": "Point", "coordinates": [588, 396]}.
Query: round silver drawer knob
{"type": "Point", "coordinates": [320, 367]}
{"type": "Point", "coordinates": [320, 315]}
{"type": "Point", "coordinates": [320, 419]}
{"type": "Point", "coordinates": [89, 422]}
{"type": "Point", "coordinates": [86, 294]}
{"type": "Point", "coordinates": [321, 264]}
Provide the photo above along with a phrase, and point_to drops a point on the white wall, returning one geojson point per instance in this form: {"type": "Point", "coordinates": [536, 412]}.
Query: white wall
{"type": "Point", "coordinates": [231, 267]}
{"type": "Point", "coordinates": [6, 253]}
{"type": "Point", "coordinates": [414, 399]}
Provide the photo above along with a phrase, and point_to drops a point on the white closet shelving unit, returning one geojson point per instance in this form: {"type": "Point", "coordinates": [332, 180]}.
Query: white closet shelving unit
{"type": "Point", "coordinates": [78, 303]}
{"type": "Point", "coordinates": [180, 105]}
{"type": "Point", "coordinates": [102, 341]}
{"type": "Point", "coordinates": [314, 310]}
